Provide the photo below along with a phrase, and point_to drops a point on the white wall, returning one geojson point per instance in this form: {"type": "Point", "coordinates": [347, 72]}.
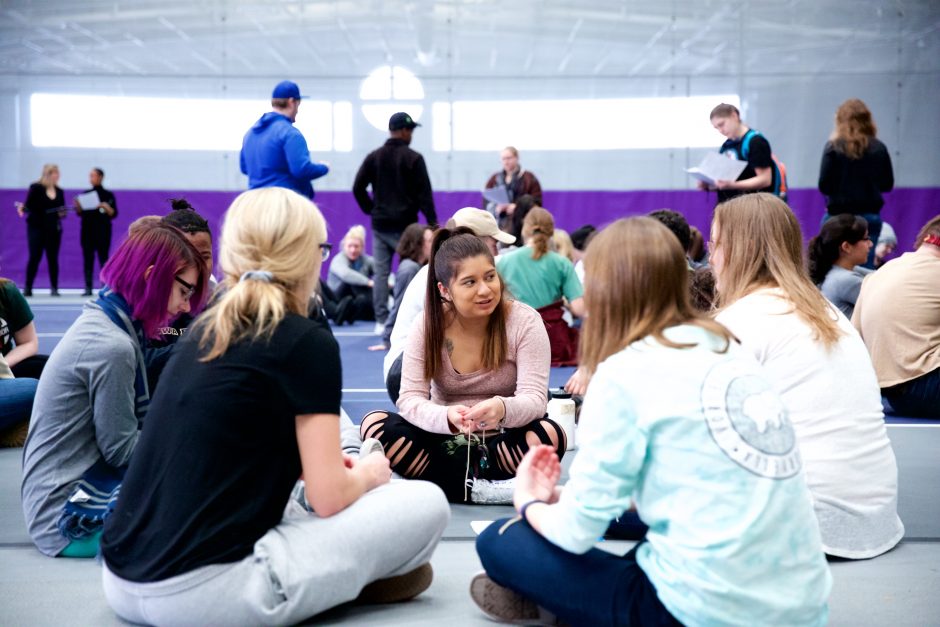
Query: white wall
{"type": "Point", "coordinates": [784, 94]}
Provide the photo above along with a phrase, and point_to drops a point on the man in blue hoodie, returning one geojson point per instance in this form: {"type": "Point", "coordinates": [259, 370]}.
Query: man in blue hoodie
{"type": "Point", "coordinates": [274, 153]}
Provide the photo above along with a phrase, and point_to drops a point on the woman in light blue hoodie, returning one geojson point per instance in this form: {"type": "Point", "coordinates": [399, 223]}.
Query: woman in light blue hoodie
{"type": "Point", "coordinates": [679, 422]}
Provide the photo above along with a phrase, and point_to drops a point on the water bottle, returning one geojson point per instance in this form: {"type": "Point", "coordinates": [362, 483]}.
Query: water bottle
{"type": "Point", "coordinates": [561, 411]}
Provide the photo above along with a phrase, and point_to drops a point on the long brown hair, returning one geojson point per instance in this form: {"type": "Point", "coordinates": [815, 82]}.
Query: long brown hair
{"type": "Point", "coordinates": [854, 128]}
{"type": "Point", "coordinates": [636, 285]}
{"type": "Point", "coordinates": [449, 249]}
{"type": "Point", "coordinates": [762, 246]}
{"type": "Point", "coordinates": [538, 227]}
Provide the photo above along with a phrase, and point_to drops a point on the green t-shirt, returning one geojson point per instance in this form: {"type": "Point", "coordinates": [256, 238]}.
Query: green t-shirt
{"type": "Point", "coordinates": [14, 314]}
{"type": "Point", "coordinates": [539, 282]}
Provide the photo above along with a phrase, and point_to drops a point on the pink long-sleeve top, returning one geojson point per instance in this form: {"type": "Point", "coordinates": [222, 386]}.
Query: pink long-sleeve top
{"type": "Point", "coordinates": [521, 382]}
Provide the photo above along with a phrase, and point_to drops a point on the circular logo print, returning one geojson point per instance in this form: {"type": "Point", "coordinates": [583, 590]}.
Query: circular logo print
{"type": "Point", "coordinates": [748, 421]}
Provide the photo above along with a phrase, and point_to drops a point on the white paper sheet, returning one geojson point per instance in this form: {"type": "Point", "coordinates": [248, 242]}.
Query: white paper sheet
{"type": "Point", "coordinates": [89, 201]}
{"type": "Point", "coordinates": [716, 167]}
{"type": "Point", "coordinates": [497, 194]}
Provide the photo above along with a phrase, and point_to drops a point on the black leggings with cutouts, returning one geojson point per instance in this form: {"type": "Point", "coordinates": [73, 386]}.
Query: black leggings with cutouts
{"type": "Point", "coordinates": [442, 459]}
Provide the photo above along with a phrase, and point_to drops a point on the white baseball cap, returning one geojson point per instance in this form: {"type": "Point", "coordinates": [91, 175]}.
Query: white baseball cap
{"type": "Point", "coordinates": [482, 223]}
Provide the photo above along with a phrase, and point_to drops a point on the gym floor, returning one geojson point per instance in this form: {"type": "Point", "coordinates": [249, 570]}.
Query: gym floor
{"type": "Point", "coordinates": [898, 588]}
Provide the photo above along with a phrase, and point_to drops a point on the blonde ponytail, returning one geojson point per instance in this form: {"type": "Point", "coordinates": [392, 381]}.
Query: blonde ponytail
{"type": "Point", "coordinates": [538, 228]}
{"type": "Point", "coordinates": [271, 261]}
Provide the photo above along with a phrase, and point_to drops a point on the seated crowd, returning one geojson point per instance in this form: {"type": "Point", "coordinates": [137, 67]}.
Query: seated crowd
{"type": "Point", "coordinates": [768, 455]}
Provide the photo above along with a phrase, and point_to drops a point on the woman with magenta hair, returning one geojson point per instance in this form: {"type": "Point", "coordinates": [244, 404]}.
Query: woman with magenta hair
{"type": "Point", "coordinates": [90, 403]}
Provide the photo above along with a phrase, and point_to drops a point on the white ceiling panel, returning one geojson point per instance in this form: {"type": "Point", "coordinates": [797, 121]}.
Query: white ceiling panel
{"type": "Point", "coordinates": [551, 38]}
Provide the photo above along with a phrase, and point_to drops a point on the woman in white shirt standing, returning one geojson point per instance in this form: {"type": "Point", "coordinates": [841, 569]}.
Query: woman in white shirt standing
{"type": "Point", "coordinates": [818, 364]}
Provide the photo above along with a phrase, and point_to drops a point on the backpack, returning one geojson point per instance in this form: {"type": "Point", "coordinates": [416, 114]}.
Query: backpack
{"type": "Point", "coordinates": [779, 169]}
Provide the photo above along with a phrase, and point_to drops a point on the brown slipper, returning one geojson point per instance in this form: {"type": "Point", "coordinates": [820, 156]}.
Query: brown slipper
{"type": "Point", "coordinates": [399, 588]}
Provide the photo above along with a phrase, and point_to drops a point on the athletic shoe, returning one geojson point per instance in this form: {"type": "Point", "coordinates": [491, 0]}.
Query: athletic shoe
{"type": "Point", "coordinates": [484, 492]}
{"type": "Point", "coordinates": [370, 445]}
{"type": "Point", "coordinates": [503, 605]}
{"type": "Point", "coordinates": [379, 328]}
{"type": "Point", "coordinates": [400, 588]}
{"type": "Point", "coordinates": [87, 292]}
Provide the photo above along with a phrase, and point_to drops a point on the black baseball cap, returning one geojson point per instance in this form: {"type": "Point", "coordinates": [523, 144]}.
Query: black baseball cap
{"type": "Point", "coordinates": [401, 120]}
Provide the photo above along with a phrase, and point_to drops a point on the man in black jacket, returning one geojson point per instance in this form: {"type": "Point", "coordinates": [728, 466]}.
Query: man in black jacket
{"type": "Point", "coordinates": [96, 226]}
{"type": "Point", "coordinates": [400, 189]}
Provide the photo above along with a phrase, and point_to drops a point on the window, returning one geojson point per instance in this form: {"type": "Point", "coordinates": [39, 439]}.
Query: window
{"type": "Point", "coordinates": [126, 122]}
{"type": "Point", "coordinates": [603, 124]}
{"type": "Point", "coordinates": [398, 89]}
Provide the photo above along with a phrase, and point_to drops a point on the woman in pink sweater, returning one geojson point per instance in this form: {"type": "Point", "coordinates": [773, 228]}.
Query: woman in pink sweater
{"type": "Point", "coordinates": [474, 380]}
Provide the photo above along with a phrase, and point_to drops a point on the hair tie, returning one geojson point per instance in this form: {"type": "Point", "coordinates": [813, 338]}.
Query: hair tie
{"type": "Point", "coordinates": [932, 239]}
{"type": "Point", "coordinates": [257, 275]}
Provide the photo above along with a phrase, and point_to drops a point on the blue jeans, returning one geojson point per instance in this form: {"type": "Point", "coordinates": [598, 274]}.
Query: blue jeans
{"type": "Point", "coordinates": [874, 232]}
{"type": "Point", "coordinates": [16, 400]}
{"type": "Point", "coordinates": [384, 244]}
{"type": "Point", "coordinates": [919, 398]}
{"type": "Point", "coordinates": [596, 588]}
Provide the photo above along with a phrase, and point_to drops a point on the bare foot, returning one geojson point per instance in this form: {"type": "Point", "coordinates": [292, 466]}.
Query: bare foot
{"type": "Point", "coordinates": [378, 347]}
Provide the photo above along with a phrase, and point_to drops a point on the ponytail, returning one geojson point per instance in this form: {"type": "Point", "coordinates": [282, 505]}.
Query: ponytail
{"type": "Point", "coordinates": [270, 260]}
{"type": "Point", "coordinates": [248, 308]}
{"type": "Point", "coordinates": [538, 228]}
{"type": "Point", "coordinates": [824, 249]}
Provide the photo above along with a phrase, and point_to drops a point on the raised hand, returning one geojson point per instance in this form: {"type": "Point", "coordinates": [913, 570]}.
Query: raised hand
{"type": "Point", "coordinates": [537, 476]}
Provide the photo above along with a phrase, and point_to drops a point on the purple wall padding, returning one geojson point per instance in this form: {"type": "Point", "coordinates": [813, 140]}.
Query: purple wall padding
{"type": "Point", "coordinates": [906, 209]}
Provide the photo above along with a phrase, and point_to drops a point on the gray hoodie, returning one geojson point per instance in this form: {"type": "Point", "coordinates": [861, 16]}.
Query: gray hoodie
{"type": "Point", "coordinates": [83, 412]}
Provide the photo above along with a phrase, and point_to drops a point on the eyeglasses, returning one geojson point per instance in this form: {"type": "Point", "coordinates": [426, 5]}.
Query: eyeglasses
{"type": "Point", "coordinates": [190, 288]}
{"type": "Point", "coordinates": [325, 249]}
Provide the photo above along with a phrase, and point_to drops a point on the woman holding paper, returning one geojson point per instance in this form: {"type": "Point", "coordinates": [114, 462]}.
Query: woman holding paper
{"type": "Point", "coordinates": [44, 208]}
{"type": "Point", "coordinates": [505, 186]}
{"type": "Point", "coordinates": [97, 208]}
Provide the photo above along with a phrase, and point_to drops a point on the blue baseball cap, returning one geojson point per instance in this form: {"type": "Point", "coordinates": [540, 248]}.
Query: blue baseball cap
{"type": "Point", "coordinates": [287, 89]}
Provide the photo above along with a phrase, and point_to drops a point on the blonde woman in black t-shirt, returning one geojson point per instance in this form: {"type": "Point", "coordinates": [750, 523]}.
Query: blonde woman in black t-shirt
{"type": "Point", "coordinates": [249, 403]}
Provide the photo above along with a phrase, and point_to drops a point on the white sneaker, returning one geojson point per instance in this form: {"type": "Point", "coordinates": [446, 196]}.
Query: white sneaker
{"type": "Point", "coordinates": [370, 445]}
{"type": "Point", "coordinates": [484, 492]}
{"type": "Point", "coordinates": [379, 328]}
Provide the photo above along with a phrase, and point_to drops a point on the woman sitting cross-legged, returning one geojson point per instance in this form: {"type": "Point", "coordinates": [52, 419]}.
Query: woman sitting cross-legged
{"type": "Point", "coordinates": [681, 421]}
{"type": "Point", "coordinates": [93, 393]}
{"type": "Point", "coordinates": [474, 380]}
{"type": "Point", "coordinates": [350, 277]}
{"type": "Point", "coordinates": [205, 531]}
{"type": "Point", "coordinates": [818, 364]}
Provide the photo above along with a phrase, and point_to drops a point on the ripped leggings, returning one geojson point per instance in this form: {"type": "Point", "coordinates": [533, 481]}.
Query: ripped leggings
{"type": "Point", "coordinates": [442, 459]}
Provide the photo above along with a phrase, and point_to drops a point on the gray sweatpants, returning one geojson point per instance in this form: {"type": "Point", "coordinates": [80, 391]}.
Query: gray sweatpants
{"type": "Point", "coordinates": [304, 566]}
